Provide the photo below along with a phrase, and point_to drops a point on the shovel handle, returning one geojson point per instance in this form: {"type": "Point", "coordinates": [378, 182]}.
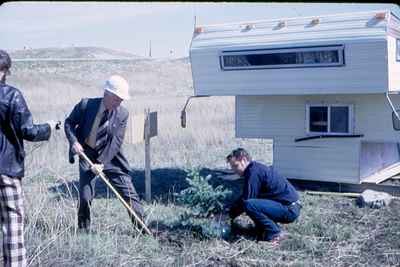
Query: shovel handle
{"type": "Point", "coordinates": [105, 180]}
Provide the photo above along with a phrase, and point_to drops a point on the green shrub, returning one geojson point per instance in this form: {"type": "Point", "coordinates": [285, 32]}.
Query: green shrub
{"type": "Point", "coordinates": [201, 197]}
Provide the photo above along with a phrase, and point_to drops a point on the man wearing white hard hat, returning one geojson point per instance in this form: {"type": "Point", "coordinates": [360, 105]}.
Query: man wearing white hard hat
{"type": "Point", "coordinates": [96, 126]}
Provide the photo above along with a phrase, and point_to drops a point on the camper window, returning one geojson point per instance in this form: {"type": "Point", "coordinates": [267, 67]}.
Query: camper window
{"type": "Point", "coordinates": [329, 119]}
{"type": "Point", "coordinates": [319, 119]}
{"type": "Point", "coordinates": [320, 56]}
{"type": "Point", "coordinates": [397, 49]}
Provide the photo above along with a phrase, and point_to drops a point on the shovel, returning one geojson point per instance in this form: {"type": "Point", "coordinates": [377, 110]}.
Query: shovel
{"type": "Point", "coordinates": [105, 180]}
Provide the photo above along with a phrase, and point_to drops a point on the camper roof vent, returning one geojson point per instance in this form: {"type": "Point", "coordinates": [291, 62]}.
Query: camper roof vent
{"type": "Point", "coordinates": [247, 27]}
{"type": "Point", "coordinates": [281, 24]}
{"type": "Point", "coordinates": [314, 22]}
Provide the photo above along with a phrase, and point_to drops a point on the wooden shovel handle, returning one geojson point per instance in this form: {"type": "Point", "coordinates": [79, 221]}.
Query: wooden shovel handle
{"type": "Point", "coordinates": [105, 180]}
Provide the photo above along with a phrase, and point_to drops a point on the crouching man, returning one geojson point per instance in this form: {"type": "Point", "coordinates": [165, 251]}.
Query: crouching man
{"type": "Point", "coordinates": [96, 126]}
{"type": "Point", "coordinates": [267, 198]}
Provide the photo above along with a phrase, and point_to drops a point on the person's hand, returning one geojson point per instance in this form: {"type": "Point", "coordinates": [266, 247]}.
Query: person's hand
{"type": "Point", "coordinates": [54, 125]}
{"type": "Point", "coordinates": [97, 168]}
{"type": "Point", "coordinates": [77, 148]}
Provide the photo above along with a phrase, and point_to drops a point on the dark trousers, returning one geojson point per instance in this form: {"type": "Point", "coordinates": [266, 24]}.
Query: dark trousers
{"type": "Point", "coordinates": [120, 181]}
{"type": "Point", "coordinates": [266, 213]}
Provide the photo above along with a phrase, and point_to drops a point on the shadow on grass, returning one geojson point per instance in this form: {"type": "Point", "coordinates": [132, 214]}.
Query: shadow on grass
{"type": "Point", "coordinates": [173, 233]}
{"type": "Point", "coordinates": [165, 182]}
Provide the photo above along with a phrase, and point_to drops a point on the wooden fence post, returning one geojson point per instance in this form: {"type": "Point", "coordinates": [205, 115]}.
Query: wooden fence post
{"type": "Point", "coordinates": [147, 156]}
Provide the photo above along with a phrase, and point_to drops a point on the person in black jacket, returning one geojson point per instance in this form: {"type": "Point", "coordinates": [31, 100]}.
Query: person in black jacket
{"type": "Point", "coordinates": [16, 125]}
{"type": "Point", "coordinates": [267, 197]}
{"type": "Point", "coordinates": [96, 126]}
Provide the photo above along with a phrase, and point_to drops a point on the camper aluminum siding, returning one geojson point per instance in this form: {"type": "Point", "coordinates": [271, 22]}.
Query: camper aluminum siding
{"type": "Point", "coordinates": [363, 37]}
{"type": "Point", "coordinates": [283, 119]}
{"type": "Point", "coordinates": [272, 102]}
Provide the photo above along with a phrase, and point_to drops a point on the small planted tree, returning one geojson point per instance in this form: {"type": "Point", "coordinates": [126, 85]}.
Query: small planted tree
{"type": "Point", "coordinates": [201, 197]}
{"type": "Point", "coordinates": [203, 200]}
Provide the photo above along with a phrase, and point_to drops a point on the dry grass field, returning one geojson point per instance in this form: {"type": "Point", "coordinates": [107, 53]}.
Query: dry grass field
{"type": "Point", "coordinates": [331, 231]}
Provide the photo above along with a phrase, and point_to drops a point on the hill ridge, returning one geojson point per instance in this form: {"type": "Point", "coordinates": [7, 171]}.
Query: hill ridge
{"type": "Point", "coordinates": [75, 52]}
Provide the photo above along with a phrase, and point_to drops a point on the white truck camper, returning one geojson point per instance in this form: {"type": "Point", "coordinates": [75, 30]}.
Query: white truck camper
{"type": "Point", "coordinates": [324, 88]}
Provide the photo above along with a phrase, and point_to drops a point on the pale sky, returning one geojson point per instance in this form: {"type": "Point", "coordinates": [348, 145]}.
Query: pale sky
{"type": "Point", "coordinates": [130, 26]}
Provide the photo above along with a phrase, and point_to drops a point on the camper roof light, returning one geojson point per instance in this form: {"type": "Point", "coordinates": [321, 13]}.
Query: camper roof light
{"type": "Point", "coordinates": [380, 15]}
{"type": "Point", "coordinates": [198, 30]}
{"type": "Point", "coordinates": [315, 21]}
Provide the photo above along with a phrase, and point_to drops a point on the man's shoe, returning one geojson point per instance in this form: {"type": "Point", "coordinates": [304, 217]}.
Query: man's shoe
{"type": "Point", "coordinates": [84, 230]}
{"type": "Point", "coordinates": [275, 241]}
{"type": "Point", "coordinates": [84, 226]}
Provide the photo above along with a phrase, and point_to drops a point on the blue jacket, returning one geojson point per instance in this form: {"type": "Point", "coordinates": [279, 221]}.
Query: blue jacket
{"type": "Point", "coordinates": [261, 181]}
{"type": "Point", "coordinates": [16, 125]}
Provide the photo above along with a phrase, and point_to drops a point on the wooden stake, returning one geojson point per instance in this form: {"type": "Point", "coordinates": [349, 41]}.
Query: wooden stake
{"type": "Point", "coordinates": [147, 172]}
{"type": "Point", "coordinates": [131, 211]}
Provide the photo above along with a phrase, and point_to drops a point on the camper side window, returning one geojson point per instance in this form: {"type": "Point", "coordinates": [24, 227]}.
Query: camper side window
{"type": "Point", "coordinates": [329, 119]}
{"type": "Point", "coordinates": [319, 56]}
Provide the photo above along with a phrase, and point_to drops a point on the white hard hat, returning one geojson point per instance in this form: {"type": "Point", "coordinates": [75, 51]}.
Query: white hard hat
{"type": "Point", "coordinates": [118, 86]}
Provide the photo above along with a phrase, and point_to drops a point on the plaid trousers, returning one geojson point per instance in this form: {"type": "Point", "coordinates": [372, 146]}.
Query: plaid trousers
{"type": "Point", "coordinates": [12, 220]}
